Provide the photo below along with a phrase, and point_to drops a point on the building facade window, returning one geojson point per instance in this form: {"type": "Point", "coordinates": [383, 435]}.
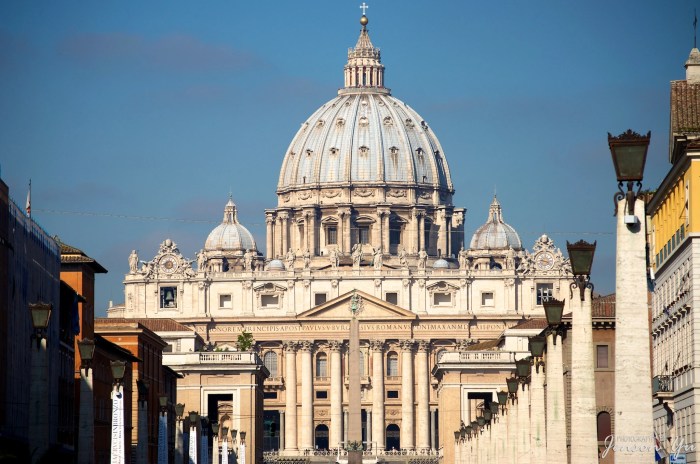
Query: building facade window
{"type": "Point", "coordinates": [391, 297]}
{"type": "Point", "coordinates": [442, 299]}
{"type": "Point", "coordinates": [392, 364]}
{"type": "Point", "coordinates": [168, 297]}
{"type": "Point", "coordinates": [225, 302]}
{"type": "Point", "coordinates": [486, 298]}
{"type": "Point", "coordinates": [363, 234]}
{"type": "Point", "coordinates": [602, 360]}
{"type": "Point", "coordinates": [321, 365]}
{"type": "Point", "coordinates": [392, 394]}
{"type": "Point", "coordinates": [320, 298]}
{"type": "Point", "coordinates": [270, 362]}
{"type": "Point", "coordinates": [331, 235]}
{"type": "Point", "coordinates": [604, 426]}
{"type": "Point", "coordinates": [544, 293]}
{"type": "Point", "coordinates": [269, 301]}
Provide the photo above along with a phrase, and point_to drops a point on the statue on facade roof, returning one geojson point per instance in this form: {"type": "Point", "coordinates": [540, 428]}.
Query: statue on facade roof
{"type": "Point", "coordinates": [422, 259]}
{"type": "Point", "coordinates": [357, 256]}
{"type": "Point", "coordinates": [462, 257]}
{"type": "Point", "coordinates": [334, 258]}
{"type": "Point", "coordinates": [291, 256]}
{"type": "Point", "coordinates": [403, 261]}
{"type": "Point", "coordinates": [307, 259]}
{"type": "Point", "coordinates": [133, 262]}
{"type": "Point", "coordinates": [377, 258]}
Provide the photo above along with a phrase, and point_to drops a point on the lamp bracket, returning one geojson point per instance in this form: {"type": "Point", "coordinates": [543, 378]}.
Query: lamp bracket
{"type": "Point", "coordinates": [630, 195]}
{"type": "Point", "coordinates": [582, 282]}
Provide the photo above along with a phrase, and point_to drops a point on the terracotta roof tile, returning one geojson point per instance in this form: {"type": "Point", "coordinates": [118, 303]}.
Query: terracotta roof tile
{"type": "Point", "coordinates": [685, 107]}
{"type": "Point", "coordinates": [534, 323]}
{"type": "Point", "coordinates": [487, 345]}
{"type": "Point", "coordinates": [71, 254]}
{"type": "Point", "coordinates": [155, 325]}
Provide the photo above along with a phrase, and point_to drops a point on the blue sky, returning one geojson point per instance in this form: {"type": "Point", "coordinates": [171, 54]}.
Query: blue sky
{"type": "Point", "coordinates": [123, 111]}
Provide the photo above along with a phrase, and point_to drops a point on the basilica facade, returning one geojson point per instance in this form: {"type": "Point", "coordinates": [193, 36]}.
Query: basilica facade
{"type": "Point", "coordinates": [365, 207]}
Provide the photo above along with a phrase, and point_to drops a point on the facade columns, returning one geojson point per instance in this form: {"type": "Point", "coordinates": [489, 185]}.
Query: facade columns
{"type": "Point", "coordinates": [345, 214]}
{"type": "Point", "coordinates": [378, 431]}
{"type": "Point", "coordinates": [307, 396]}
{"type": "Point", "coordinates": [556, 406]}
{"type": "Point", "coordinates": [284, 232]}
{"type": "Point", "coordinates": [421, 231]}
{"type": "Point", "coordinates": [290, 381]}
{"type": "Point", "coordinates": [336, 429]}
{"type": "Point", "coordinates": [422, 396]}
{"type": "Point", "coordinates": [384, 214]}
{"type": "Point", "coordinates": [282, 430]}
{"type": "Point", "coordinates": [633, 399]}
{"type": "Point", "coordinates": [584, 442]}
{"type": "Point", "coordinates": [310, 230]}
{"type": "Point", "coordinates": [368, 428]}
{"type": "Point", "coordinates": [346, 420]}
{"type": "Point", "coordinates": [270, 227]}
{"type": "Point", "coordinates": [407, 399]}
{"type": "Point", "coordinates": [524, 425]}
{"type": "Point", "coordinates": [433, 429]}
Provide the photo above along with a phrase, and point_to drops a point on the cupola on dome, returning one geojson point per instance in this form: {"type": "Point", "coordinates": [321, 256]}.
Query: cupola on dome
{"type": "Point", "coordinates": [230, 235]}
{"type": "Point", "coordinates": [495, 234]}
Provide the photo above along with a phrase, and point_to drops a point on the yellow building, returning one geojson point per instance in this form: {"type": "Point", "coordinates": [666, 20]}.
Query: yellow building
{"type": "Point", "coordinates": [674, 213]}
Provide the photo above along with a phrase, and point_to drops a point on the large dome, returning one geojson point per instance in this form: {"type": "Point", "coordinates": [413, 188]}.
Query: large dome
{"type": "Point", "coordinates": [230, 235]}
{"type": "Point", "coordinates": [495, 234]}
{"type": "Point", "coordinates": [365, 138]}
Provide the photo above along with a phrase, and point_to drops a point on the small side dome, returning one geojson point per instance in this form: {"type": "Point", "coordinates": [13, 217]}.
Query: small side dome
{"type": "Point", "coordinates": [441, 264]}
{"type": "Point", "coordinates": [230, 235]}
{"type": "Point", "coordinates": [275, 265]}
{"type": "Point", "coordinates": [495, 234]}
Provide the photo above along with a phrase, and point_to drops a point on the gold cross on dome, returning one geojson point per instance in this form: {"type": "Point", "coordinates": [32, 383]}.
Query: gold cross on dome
{"type": "Point", "coordinates": [364, 7]}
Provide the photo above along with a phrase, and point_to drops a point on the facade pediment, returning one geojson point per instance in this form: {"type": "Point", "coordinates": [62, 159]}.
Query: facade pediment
{"type": "Point", "coordinates": [372, 308]}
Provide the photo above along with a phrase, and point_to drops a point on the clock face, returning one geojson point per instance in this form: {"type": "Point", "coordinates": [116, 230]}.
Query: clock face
{"type": "Point", "coordinates": [545, 261]}
{"type": "Point", "coordinates": [168, 264]}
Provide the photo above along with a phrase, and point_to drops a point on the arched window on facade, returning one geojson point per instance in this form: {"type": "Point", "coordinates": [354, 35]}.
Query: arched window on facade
{"type": "Point", "coordinates": [321, 365]}
{"type": "Point", "coordinates": [604, 425]}
{"type": "Point", "coordinates": [392, 364]}
{"type": "Point", "coordinates": [270, 362]}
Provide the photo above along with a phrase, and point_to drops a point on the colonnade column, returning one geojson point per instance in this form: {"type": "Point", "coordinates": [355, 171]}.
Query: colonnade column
{"type": "Point", "coordinates": [336, 430]}
{"type": "Point", "coordinates": [433, 429]}
{"type": "Point", "coordinates": [556, 410]}
{"type": "Point", "coordinates": [290, 382]}
{"type": "Point", "coordinates": [407, 410]}
{"type": "Point", "coordinates": [523, 428]}
{"type": "Point", "coordinates": [538, 434]}
{"type": "Point", "coordinates": [307, 396]}
{"type": "Point", "coordinates": [422, 396]}
{"type": "Point", "coordinates": [377, 348]}
{"type": "Point", "coordinates": [584, 443]}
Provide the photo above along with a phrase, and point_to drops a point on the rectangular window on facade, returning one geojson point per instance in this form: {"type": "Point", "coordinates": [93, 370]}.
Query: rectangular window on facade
{"type": "Point", "coordinates": [270, 395]}
{"type": "Point", "coordinates": [602, 361]}
{"type": "Point", "coordinates": [391, 297]}
{"type": "Point", "coordinates": [544, 293]}
{"type": "Point", "coordinates": [319, 298]}
{"type": "Point", "coordinates": [321, 395]}
{"type": "Point", "coordinates": [392, 394]}
{"type": "Point", "coordinates": [442, 299]}
{"type": "Point", "coordinates": [168, 297]}
{"type": "Point", "coordinates": [487, 299]}
{"type": "Point", "coordinates": [268, 301]}
{"type": "Point", "coordinates": [331, 235]}
{"type": "Point", "coordinates": [225, 302]}
{"type": "Point", "coordinates": [394, 236]}
{"type": "Point", "coordinates": [363, 234]}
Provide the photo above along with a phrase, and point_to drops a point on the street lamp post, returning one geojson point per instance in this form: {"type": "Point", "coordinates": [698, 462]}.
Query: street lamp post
{"type": "Point", "coordinates": [584, 437]}
{"type": "Point", "coordinates": [215, 442]}
{"type": "Point", "coordinates": [633, 397]}
{"type": "Point", "coordinates": [163, 430]}
{"type": "Point", "coordinates": [242, 455]}
{"type": "Point", "coordinates": [39, 382]}
{"type": "Point", "coordinates": [179, 448]}
{"type": "Point", "coordinates": [118, 451]}
{"type": "Point", "coordinates": [86, 419]}
{"type": "Point", "coordinates": [556, 406]}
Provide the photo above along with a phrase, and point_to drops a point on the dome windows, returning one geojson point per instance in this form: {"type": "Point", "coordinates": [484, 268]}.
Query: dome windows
{"type": "Point", "coordinates": [363, 122]}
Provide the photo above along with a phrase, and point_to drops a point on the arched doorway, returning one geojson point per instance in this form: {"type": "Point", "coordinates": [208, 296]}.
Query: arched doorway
{"type": "Point", "coordinates": [321, 437]}
{"type": "Point", "coordinates": [393, 437]}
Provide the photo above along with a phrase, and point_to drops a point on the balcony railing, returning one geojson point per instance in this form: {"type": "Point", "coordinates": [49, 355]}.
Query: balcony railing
{"type": "Point", "coordinates": [212, 357]}
{"type": "Point", "coordinates": [662, 384]}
